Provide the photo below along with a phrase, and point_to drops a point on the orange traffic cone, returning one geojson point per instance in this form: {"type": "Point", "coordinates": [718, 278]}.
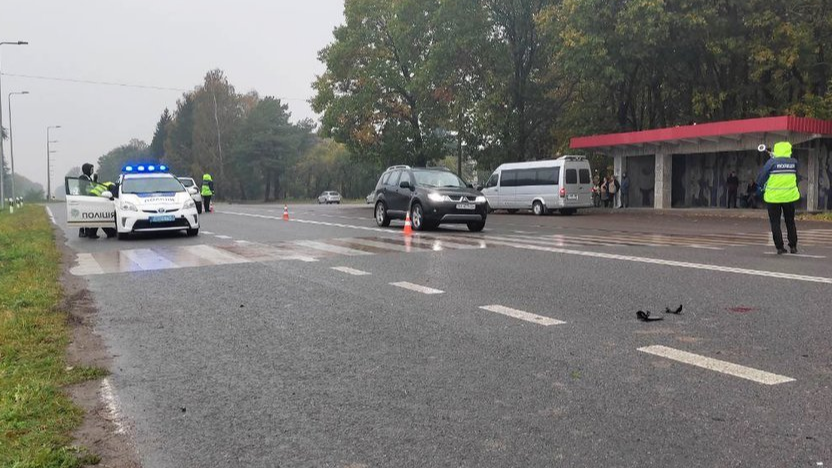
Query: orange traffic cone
{"type": "Point", "coordinates": [408, 228]}
{"type": "Point", "coordinates": [285, 213]}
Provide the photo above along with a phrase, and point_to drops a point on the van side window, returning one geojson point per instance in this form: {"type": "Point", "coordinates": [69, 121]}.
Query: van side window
{"type": "Point", "coordinates": [571, 176]}
{"type": "Point", "coordinates": [548, 176]}
{"type": "Point", "coordinates": [584, 174]}
{"type": "Point", "coordinates": [492, 182]}
{"type": "Point", "coordinates": [526, 177]}
{"type": "Point", "coordinates": [509, 179]}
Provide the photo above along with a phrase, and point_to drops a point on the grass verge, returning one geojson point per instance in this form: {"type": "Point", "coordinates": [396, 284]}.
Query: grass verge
{"type": "Point", "coordinates": [36, 416]}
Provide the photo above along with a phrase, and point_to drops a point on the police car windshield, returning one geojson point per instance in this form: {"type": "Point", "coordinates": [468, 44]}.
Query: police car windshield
{"type": "Point", "coordinates": [151, 185]}
{"type": "Point", "coordinates": [438, 179]}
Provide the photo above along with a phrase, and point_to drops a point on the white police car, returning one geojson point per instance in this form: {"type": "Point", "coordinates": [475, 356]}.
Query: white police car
{"type": "Point", "coordinates": [146, 199]}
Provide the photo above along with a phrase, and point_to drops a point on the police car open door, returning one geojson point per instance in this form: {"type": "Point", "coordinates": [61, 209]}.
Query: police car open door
{"type": "Point", "coordinates": [87, 209]}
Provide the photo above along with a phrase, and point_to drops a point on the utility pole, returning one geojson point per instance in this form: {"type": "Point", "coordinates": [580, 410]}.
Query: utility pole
{"type": "Point", "coordinates": [49, 163]}
{"type": "Point", "coordinates": [11, 139]}
{"type": "Point", "coordinates": [2, 166]}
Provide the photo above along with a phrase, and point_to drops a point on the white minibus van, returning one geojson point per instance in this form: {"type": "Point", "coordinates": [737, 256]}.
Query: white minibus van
{"type": "Point", "coordinates": [563, 184]}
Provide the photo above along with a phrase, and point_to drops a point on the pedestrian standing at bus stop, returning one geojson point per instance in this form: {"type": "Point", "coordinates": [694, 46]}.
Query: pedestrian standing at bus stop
{"type": "Point", "coordinates": [207, 192]}
{"type": "Point", "coordinates": [778, 182]}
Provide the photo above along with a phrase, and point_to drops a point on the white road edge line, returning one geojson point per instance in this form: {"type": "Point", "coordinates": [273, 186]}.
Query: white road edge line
{"type": "Point", "coordinates": [223, 237]}
{"type": "Point", "coordinates": [108, 396]}
{"type": "Point", "coordinates": [51, 216]}
{"type": "Point", "coordinates": [519, 314]}
{"type": "Point", "coordinates": [736, 370]}
{"type": "Point", "coordinates": [351, 271]}
{"type": "Point", "coordinates": [417, 288]}
{"type": "Point", "coordinates": [797, 255]}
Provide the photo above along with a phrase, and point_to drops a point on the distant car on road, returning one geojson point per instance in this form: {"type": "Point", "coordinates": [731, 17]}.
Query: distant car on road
{"type": "Point", "coordinates": [330, 197]}
{"type": "Point", "coordinates": [193, 189]}
{"type": "Point", "coordinates": [432, 196]}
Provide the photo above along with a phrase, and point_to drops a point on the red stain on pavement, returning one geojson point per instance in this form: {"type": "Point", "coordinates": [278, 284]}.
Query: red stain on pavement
{"type": "Point", "coordinates": [742, 310]}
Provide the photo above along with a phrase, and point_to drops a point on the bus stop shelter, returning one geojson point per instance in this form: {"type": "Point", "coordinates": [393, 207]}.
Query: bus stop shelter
{"type": "Point", "coordinates": [687, 166]}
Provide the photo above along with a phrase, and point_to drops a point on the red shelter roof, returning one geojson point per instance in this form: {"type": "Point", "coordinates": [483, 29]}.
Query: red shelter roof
{"type": "Point", "coordinates": [734, 128]}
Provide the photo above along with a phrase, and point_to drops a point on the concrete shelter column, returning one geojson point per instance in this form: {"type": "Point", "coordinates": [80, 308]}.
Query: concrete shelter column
{"type": "Point", "coordinates": [664, 179]}
{"type": "Point", "coordinates": [813, 182]}
{"type": "Point", "coordinates": [617, 170]}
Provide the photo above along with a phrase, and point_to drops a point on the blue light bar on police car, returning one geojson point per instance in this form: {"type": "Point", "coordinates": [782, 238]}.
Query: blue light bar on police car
{"type": "Point", "coordinates": [148, 168]}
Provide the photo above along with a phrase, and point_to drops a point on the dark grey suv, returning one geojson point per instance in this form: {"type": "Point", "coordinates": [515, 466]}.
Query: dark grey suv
{"type": "Point", "coordinates": [433, 196]}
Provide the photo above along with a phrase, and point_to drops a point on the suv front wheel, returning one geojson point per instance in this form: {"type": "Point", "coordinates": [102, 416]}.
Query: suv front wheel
{"type": "Point", "coordinates": [382, 218]}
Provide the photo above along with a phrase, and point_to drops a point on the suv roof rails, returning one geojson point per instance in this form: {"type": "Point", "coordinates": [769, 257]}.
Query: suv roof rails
{"type": "Point", "coordinates": [402, 166]}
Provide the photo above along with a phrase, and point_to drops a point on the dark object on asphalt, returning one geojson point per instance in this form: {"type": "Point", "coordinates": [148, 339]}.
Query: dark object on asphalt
{"type": "Point", "coordinates": [645, 316]}
{"type": "Point", "coordinates": [182, 409]}
{"type": "Point", "coordinates": [677, 311]}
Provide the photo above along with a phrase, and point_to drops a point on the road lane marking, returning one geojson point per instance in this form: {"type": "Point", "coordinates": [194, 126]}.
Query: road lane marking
{"type": "Point", "coordinates": [208, 232]}
{"type": "Point", "coordinates": [519, 314]}
{"type": "Point", "coordinates": [351, 271]}
{"type": "Point", "coordinates": [51, 216]}
{"type": "Point", "coordinates": [112, 405]}
{"type": "Point", "coordinates": [149, 260]}
{"type": "Point", "coordinates": [736, 370]}
{"type": "Point", "coordinates": [215, 256]}
{"type": "Point", "coordinates": [417, 288]}
{"type": "Point", "coordinates": [87, 265]}
{"type": "Point", "coordinates": [223, 237]}
{"type": "Point", "coordinates": [332, 248]}
{"type": "Point", "coordinates": [797, 255]}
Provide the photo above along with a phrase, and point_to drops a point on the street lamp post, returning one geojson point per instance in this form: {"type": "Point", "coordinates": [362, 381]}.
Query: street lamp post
{"type": "Point", "coordinates": [11, 139]}
{"type": "Point", "coordinates": [2, 167]}
{"type": "Point", "coordinates": [49, 163]}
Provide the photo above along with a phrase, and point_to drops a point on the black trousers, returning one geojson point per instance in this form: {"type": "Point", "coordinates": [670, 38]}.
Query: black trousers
{"type": "Point", "coordinates": [775, 210]}
{"type": "Point", "coordinates": [206, 204]}
{"type": "Point", "coordinates": [732, 198]}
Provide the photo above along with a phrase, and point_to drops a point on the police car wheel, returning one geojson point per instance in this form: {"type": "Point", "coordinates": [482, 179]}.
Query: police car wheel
{"type": "Point", "coordinates": [193, 232]}
{"type": "Point", "coordinates": [123, 236]}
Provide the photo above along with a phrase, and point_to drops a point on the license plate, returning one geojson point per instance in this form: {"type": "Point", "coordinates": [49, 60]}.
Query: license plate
{"type": "Point", "coordinates": [466, 206]}
{"type": "Point", "coordinates": [572, 197]}
{"type": "Point", "coordinates": [163, 219]}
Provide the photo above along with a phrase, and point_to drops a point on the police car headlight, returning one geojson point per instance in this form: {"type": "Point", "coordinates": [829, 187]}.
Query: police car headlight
{"type": "Point", "coordinates": [127, 206]}
{"type": "Point", "coordinates": [188, 205]}
{"type": "Point", "coordinates": [480, 199]}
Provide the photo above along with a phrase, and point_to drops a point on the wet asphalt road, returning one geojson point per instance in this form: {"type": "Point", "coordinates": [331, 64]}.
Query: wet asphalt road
{"type": "Point", "coordinates": [244, 347]}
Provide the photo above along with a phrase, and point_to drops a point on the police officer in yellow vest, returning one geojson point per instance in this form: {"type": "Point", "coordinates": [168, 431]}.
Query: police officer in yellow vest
{"type": "Point", "coordinates": [778, 182]}
{"type": "Point", "coordinates": [207, 192]}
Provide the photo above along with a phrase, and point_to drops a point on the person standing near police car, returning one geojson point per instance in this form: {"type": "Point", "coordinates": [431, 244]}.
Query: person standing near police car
{"type": "Point", "coordinates": [85, 187]}
{"type": "Point", "coordinates": [207, 192]}
{"type": "Point", "coordinates": [778, 182]}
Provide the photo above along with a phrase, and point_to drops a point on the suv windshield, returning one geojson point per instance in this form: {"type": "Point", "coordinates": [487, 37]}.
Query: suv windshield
{"type": "Point", "coordinates": [152, 185]}
{"type": "Point", "coordinates": [438, 179]}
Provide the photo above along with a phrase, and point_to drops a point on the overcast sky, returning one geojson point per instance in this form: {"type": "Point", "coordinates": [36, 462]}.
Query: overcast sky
{"type": "Point", "coordinates": [265, 45]}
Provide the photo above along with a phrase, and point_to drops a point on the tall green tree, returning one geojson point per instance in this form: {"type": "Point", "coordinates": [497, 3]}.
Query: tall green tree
{"type": "Point", "coordinates": [110, 165]}
{"type": "Point", "coordinates": [375, 95]}
{"type": "Point", "coordinates": [160, 135]}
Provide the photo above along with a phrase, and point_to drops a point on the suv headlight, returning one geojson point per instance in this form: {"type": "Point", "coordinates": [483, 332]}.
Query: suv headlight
{"type": "Point", "coordinates": [189, 204]}
{"type": "Point", "coordinates": [437, 198]}
{"type": "Point", "coordinates": [480, 199]}
{"type": "Point", "coordinates": [127, 206]}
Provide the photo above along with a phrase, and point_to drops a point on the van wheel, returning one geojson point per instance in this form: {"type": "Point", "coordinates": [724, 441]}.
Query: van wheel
{"type": "Point", "coordinates": [537, 209]}
{"type": "Point", "coordinates": [382, 218]}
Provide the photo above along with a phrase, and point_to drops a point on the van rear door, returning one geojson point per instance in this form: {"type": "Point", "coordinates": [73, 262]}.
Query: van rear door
{"type": "Point", "coordinates": [578, 185]}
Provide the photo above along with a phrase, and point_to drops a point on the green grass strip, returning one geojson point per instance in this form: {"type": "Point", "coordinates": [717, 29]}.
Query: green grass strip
{"type": "Point", "coordinates": [36, 416]}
